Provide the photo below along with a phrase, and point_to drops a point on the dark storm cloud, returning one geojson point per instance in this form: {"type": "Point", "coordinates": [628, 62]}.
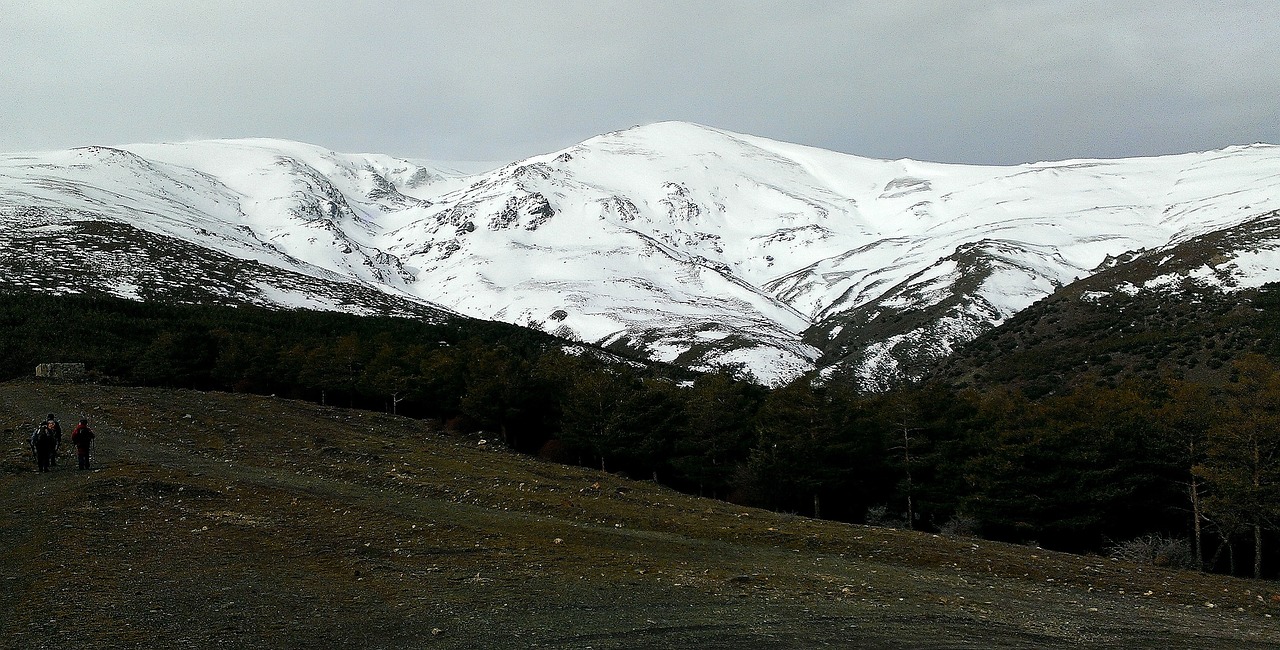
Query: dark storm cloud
{"type": "Point", "coordinates": [996, 81]}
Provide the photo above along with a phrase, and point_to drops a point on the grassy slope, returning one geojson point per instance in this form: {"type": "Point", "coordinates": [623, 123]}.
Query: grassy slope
{"type": "Point", "coordinates": [238, 520]}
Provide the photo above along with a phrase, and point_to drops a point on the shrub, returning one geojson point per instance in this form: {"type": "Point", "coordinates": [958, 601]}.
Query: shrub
{"type": "Point", "coordinates": [1156, 550]}
{"type": "Point", "coordinates": [880, 516]}
{"type": "Point", "coordinates": [960, 525]}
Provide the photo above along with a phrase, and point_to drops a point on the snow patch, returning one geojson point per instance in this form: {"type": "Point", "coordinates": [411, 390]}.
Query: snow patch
{"type": "Point", "coordinates": [1252, 269]}
{"type": "Point", "coordinates": [124, 289]}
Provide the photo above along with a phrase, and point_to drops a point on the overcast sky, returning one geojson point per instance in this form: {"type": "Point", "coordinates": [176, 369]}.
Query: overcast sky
{"type": "Point", "coordinates": [981, 81]}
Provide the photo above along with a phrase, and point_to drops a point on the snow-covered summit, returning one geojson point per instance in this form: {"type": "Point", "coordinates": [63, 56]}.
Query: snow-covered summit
{"type": "Point", "coordinates": [688, 243]}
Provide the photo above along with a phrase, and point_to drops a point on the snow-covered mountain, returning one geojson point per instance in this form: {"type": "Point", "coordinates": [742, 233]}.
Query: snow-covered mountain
{"type": "Point", "coordinates": [686, 243]}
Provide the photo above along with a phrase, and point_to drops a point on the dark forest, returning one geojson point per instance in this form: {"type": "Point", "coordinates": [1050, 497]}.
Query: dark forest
{"type": "Point", "coordinates": [1167, 470]}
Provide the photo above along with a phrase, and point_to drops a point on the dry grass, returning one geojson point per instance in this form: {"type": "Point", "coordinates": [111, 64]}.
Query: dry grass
{"type": "Point", "coordinates": [232, 520]}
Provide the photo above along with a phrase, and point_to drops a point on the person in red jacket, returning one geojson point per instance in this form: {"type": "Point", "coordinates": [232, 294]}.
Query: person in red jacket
{"type": "Point", "coordinates": [82, 437]}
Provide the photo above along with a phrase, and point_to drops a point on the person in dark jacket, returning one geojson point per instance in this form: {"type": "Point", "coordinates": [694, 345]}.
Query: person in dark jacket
{"type": "Point", "coordinates": [44, 442]}
{"type": "Point", "coordinates": [57, 438]}
{"type": "Point", "coordinates": [82, 437]}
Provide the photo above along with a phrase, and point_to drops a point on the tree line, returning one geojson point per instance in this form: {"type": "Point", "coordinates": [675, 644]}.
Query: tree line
{"type": "Point", "coordinates": [1086, 469]}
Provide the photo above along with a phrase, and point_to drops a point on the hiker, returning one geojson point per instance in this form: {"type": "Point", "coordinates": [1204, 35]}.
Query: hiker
{"type": "Point", "coordinates": [57, 437]}
{"type": "Point", "coordinates": [82, 437]}
{"type": "Point", "coordinates": [43, 442]}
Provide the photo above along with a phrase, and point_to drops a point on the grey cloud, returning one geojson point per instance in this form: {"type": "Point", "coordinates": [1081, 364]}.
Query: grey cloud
{"type": "Point", "coordinates": [967, 81]}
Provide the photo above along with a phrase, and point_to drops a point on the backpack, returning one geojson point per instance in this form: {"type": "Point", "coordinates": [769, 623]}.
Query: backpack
{"type": "Point", "coordinates": [39, 437]}
{"type": "Point", "coordinates": [82, 436]}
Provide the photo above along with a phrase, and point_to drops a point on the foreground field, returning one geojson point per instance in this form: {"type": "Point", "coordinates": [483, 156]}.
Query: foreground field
{"type": "Point", "coordinates": [235, 521]}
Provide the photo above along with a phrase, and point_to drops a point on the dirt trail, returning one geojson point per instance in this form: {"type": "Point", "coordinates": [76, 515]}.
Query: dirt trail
{"type": "Point", "coordinates": [230, 520]}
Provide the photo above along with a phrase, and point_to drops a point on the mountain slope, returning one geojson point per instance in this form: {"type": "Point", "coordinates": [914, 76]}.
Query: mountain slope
{"type": "Point", "coordinates": [1184, 311]}
{"type": "Point", "coordinates": [679, 241]}
{"type": "Point", "coordinates": [62, 253]}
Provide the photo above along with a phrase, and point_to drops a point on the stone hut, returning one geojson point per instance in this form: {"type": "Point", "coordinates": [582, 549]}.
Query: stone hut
{"type": "Point", "coordinates": [60, 371]}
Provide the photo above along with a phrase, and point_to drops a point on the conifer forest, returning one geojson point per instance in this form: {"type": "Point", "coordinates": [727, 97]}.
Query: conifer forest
{"type": "Point", "coordinates": [1174, 471]}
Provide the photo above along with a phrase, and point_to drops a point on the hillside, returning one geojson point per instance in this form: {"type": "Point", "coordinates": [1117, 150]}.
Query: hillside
{"type": "Point", "coordinates": [1183, 311]}
{"type": "Point", "coordinates": [226, 519]}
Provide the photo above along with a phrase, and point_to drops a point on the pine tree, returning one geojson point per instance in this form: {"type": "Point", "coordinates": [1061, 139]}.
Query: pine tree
{"type": "Point", "coordinates": [718, 411]}
{"type": "Point", "coordinates": [1185, 419]}
{"type": "Point", "coordinates": [812, 444]}
{"type": "Point", "coordinates": [497, 384]}
{"type": "Point", "coordinates": [1242, 454]}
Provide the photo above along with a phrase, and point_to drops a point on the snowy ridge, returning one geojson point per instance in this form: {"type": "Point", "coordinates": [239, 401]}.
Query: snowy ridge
{"type": "Point", "coordinates": [683, 242]}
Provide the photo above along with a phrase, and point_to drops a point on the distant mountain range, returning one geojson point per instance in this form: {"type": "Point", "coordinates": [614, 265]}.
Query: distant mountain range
{"type": "Point", "coordinates": [675, 241]}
